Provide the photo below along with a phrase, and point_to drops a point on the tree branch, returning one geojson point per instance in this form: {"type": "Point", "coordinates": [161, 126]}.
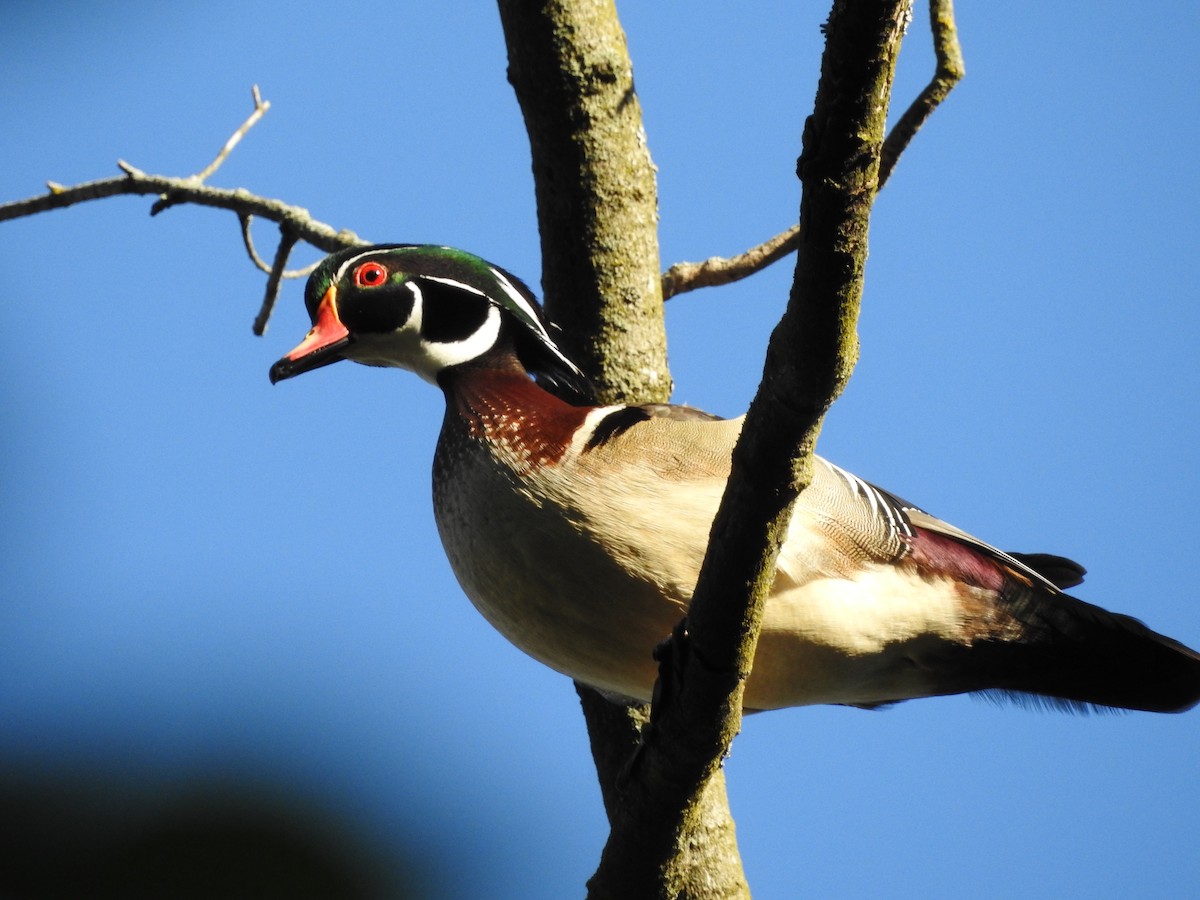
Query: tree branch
{"type": "Point", "coordinates": [949, 70]}
{"type": "Point", "coordinates": [260, 108]}
{"type": "Point", "coordinates": [186, 190]}
{"type": "Point", "coordinates": [287, 240]}
{"type": "Point", "coordinates": [248, 240]}
{"type": "Point", "coordinates": [698, 708]}
{"type": "Point", "coordinates": [718, 270]}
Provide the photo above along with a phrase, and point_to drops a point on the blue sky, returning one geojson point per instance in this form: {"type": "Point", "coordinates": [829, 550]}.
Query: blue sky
{"type": "Point", "coordinates": [210, 578]}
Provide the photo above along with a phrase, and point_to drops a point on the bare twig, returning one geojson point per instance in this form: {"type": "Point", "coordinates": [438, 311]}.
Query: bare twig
{"type": "Point", "coordinates": [125, 167]}
{"type": "Point", "coordinates": [186, 190]}
{"type": "Point", "coordinates": [947, 73]}
{"type": "Point", "coordinates": [717, 270]}
{"type": "Point", "coordinates": [260, 108]}
{"type": "Point", "coordinates": [247, 221]}
{"type": "Point", "coordinates": [287, 240]}
{"type": "Point", "coordinates": [248, 240]}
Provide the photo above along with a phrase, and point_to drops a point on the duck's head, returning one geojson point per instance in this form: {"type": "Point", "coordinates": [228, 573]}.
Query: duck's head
{"type": "Point", "coordinates": [426, 309]}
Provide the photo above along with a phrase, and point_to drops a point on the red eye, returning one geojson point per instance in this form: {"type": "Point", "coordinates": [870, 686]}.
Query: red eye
{"type": "Point", "coordinates": [370, 274]}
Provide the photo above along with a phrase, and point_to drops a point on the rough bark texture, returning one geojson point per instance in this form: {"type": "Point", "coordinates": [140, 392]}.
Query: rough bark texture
{"type": "Point", "coordinates": [700, 859]}
{"type": "Point", "coordinates": [597, 198]}
{"type": "Point", "coordinates": [809, 359]}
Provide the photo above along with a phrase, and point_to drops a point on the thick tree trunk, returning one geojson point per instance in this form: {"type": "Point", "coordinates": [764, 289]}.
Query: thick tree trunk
{"type": "Point", "coordinates": [597, 198]}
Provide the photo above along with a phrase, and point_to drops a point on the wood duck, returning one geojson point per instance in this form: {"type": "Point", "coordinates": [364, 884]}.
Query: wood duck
{"type": "Point", "coordinates": [578, 530]}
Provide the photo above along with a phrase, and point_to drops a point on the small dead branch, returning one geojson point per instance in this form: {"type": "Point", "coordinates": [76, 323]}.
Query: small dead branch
{"type": "Point", "coordinates": [260, 108]}
{"type": "Point", "coordinates": [717, 270]}
{"type": "Point", "coordinates": [186, 190]}
{"type": "Point", "coordinates": [248, 239]}
{"type": "Point", "coordinates": [947, 73]}
{"type": "Point", "coordinates": [287, 240]}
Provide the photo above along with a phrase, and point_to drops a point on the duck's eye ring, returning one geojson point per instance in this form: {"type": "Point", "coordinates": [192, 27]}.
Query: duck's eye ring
{"type": "Point", "coordinates": [369, 275]}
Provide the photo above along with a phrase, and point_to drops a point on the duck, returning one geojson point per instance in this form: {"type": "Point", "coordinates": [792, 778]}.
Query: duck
{"type": "Point", "coordinates": [578, 530]}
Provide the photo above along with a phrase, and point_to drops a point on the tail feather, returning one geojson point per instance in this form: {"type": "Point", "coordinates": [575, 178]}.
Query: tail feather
{"type": "Point", "coordinates": [1060, 571]}
{"type": "Point", "coordinates": [1077, 655]}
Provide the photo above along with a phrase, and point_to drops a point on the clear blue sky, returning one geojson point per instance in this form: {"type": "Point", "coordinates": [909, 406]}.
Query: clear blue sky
{"type": "Point", "coordinates": [207, 577]}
